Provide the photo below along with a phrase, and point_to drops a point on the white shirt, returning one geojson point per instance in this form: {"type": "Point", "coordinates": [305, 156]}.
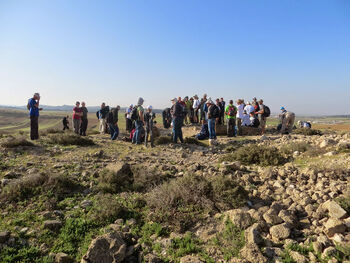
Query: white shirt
{"type": "Point", "coordinates": [240, 109]}
{"type": "Point", "coordinates": [128, 113]}
{"type": "Point", "coordinates": [246, 120]}
{"type": "Point", "coordinates": [196, 104]}
{"type": "Point", "coordinates": [249, 109]}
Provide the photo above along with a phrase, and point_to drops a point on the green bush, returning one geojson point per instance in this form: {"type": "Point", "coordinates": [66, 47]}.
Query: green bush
{"type": "Point", "coordinates": [228, 194]}
{"type": "Point", "coordinates": [163, 140]}
{"type": "Point", "coordinates": [307, 132]}
{"type": "Point", "coordinates": [230, 241]}
{"type": "Point", "coordinates": [182, 246]}
{"type": "Point", "coordinates": [181, 202]}
{"type": "Point", "coordinates": [20, 253]}
{"type": "Point", "coordinates": [260, 155]}
{"type": "Point", "coordinates": [70, 139]}
{"type": "Point", "coordinates": [116, 182]}
{"type": "Point", "coordinates": [31, 185]}
{"type": "Point", "coordinates": [13, 142]}
{"type": "Point", "coordinates": [106, 210]}
{"type": "Point", "coordinates": [74, 233]}
{"type": "Point", "coordinates": [145, 180]}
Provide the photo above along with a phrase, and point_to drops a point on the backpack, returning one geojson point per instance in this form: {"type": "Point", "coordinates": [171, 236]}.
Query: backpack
{"type": "Point", "coordinates": [215, 112]}
{"type": "Point", "coordinates": [109, 117]}
{"type": "Point", "coordinates": [267, 112]}
{"type": "Point", "coordinates": [232, 111]}
{"type": "Point", "coordinates": [135, 114]}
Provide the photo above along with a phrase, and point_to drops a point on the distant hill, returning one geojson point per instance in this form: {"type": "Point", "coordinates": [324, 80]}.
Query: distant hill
{"type": "Point", "coordinates": [66, 108]}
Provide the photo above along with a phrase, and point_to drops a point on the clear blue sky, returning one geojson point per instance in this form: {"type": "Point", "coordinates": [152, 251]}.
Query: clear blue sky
{"type": "Point", "coordinates": [289, 52]}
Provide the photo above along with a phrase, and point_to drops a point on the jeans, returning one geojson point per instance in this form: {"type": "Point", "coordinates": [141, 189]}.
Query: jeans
{"type": "Point", "coordinates": [211, 128]}
{"type": "Point", "coordinates": [177, 129]}
{"type": "Point", "coordinates": [114, 131]}
{"type": "Point", "coordinates": [83, 126]}
{"type": "Point", "coordinates": [76, 125]}
{"type": "Point", "coordinates": [34, 127]}
{"type": "Point", "coordinates": [231, 131]}
{"type": "Point", "coordinates": [138, 130]}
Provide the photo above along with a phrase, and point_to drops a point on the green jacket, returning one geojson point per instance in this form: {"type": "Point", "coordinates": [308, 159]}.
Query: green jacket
{"type": "Point", "coordinates": [227, 110]}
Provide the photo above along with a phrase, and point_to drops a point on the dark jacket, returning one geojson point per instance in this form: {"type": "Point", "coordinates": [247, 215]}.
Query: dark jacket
{"type": "Point", "coordinates": [115, 113]}
{"type": "Point", "coordinates": [102, 113]}
{"type": "Point", "coordinates": [176, 110]}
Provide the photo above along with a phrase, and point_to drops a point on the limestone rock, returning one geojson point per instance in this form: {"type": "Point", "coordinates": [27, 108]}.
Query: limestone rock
{"type": "Point", "coordinates": [53, 225]}
{"type": "Point", "coordinates": [240, 218]}
{"type": "Point", "coordinates": [253, 254]}
{"type": "Point", "coordinates": [109, 248]}
{"type": "Point", "coordinates": [280, 232]}
{"type": "Point", "coordinates": [334, 226]}
{"type": "Point", "coordinates": [63, 258]}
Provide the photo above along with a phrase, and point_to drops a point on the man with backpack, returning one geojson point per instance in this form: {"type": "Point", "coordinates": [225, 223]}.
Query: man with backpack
{"type": "Point", "coordinates": [177, 114]}
{"type": "Point", "coordinates": [33, 107]}
{"type": "Point", "coordinates": [137, 117]}
{"type": "Point", "coordinates": [231, 112]}
{"type": "Point", "coordinates": [112, 121]}
{"type": "Point", "coordinates": [101, 116]}
{"type": "Point", "coordinates": [213, 114]}
{"type": "Point", "coordinates": [264, 113]}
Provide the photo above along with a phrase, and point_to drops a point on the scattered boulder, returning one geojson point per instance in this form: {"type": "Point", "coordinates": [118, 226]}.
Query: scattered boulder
{"type": "Point", "coordinates": [4, 236]}
{"type": "Point", "coordinates": [109, 248]}
{"type": "Point", "coordinates": [334, 210]}
{"type": "Point", "coordinates": [334, 226]}
{"type": "Point", "coordinates": [63, 258]}
{"type": "Point", "coordinates": [53, 225]}
{"type": "Point", "coordinates": [253, 254]}
{"type": "Point", "coordinates": [280, 232]}
{"type": "Point", "coordinates": [240, 218]}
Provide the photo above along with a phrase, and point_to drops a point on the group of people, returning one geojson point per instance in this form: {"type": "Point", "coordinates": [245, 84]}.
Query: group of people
{"type": "Point", "coordinates": [209, 113]}
{"type": "Point", "coordinates": [140, 121]}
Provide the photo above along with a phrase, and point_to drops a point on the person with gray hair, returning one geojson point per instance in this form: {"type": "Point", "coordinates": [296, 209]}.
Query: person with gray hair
{"type": "Point", "coordinates": [139, 122]}
{"type": "Point", "coordinates": [33, 107]}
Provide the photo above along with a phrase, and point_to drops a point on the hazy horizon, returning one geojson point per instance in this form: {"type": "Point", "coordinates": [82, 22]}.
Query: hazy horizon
{"type": "Point", "coordinates": [290, 53]}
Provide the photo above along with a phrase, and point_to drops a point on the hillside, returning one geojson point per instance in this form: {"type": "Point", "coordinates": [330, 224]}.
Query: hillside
{"type": "Point", "coordinates": [251, 199]}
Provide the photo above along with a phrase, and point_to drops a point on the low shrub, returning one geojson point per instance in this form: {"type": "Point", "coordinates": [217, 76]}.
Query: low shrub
{"type": "Point", "coordinates": [228, 194]}
{"type": "Point", "coordinates": [191, 140]}
{"type": "Point", "coordinates": [31, 185]}
{"type": "Point", "coordinates": [106, 210]}
{"type": "Point", "coordinates": [307, 132]}
{"type": "Point", "coordinates": [182, 246]}
{"type": "Point", "coordinates": [146, 179]}
{"type": "Point", "coordinates": [51, 131]}
{"type": "Point", "coordinates": [14, 142]}
{"type": "Point", "coordinates": [20, 253]}
{"type": "Point", "coordinates": [291, 148]}
{"type": "Point", "coordinates": [163, 140]}
{"type": "Point", "coordinates": [181, 202]}
{"type": "Point", "coordinates": [116, 182]}
{"type": "Point", "coordinates": [71, 139]}
{"type": "Point", "coordinates": [72, 235]}
{"type": "Point", "coordinates": [260, 155]}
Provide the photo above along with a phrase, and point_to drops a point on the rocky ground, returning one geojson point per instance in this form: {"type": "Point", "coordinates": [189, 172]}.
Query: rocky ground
{"type": "Point", "coordinates": [249, 199]}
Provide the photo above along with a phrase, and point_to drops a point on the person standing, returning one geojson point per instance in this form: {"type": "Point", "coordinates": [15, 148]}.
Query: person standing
{"type": "Point", "coordinates": [176, 113]}
{"type": "Point", "coordinates": [188, 110]}
{"type": "Point", "coordinates": [112, 121]}
{"type": "Point", "coordinates": [149, 119]}
{"type": "Point", "coordinates": [65, 123]}
{"type": "Point", "coordinates": [33, 107]}
{"type": "Point", "coordinates": [255, 104]}
{"type": "Point", "coordinates": [101, 116]}
{"type": "Point", "coordinates": [77, 114]}
{"type": "Point", "coordinates": [231, 112]}
{"type": "Point", "coordinates": [262, 116]}
{"type": "Point", "coordinates": [128, 118]}
{"type": "Point", "coordinates": [222, 110]}
{"type": "Point", "coordinates": [213, 114]}
{"type": "Point", "coordinates": [240, 110]}
{"type": "Point", "coordinates": [218, 104]}
{"type": "Point", "coordinates": [287, 120]}
{"type": "Point", "coordinates": [84, 119]}
{"type": "Point", "coordinates": [196, 108]}
{"type": "Point", "coordinates": [139, 122]}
